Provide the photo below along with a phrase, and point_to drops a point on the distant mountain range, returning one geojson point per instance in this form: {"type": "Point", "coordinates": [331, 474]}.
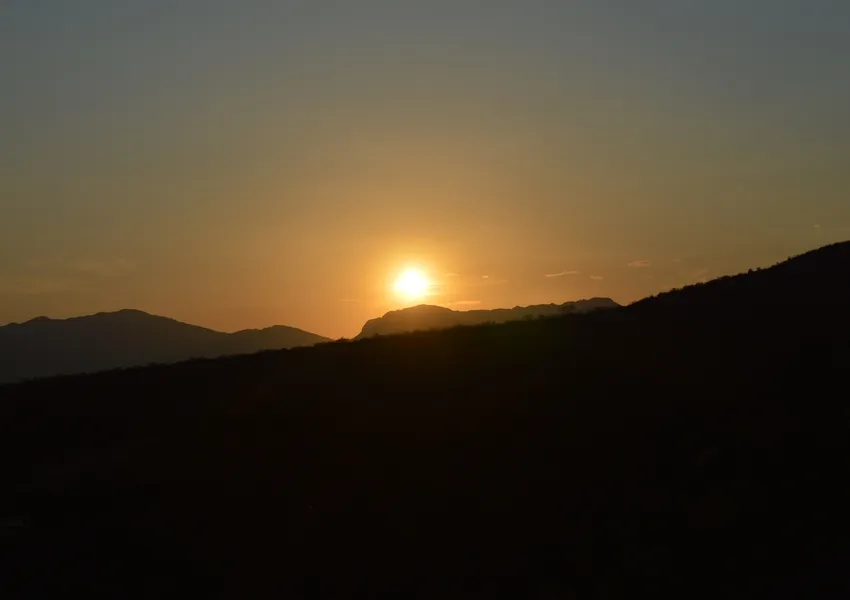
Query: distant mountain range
{"type": "Point", "coordinates": [43, 347]}
{"type": "Point", "coordinates": [424, 317]}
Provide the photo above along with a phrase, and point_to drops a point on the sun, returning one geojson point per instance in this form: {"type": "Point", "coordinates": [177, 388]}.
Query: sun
{"type": "Point", "coordinates": [411, 284]}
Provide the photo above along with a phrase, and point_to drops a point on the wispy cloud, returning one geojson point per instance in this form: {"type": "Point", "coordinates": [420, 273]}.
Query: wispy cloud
{"type": "Point", "coordinates": [676, 261]}
{"type": "Point", "coordinates": [816, 226]}
{"type": "Point", "coordinates": [640, 264]}
{"type": "Point", "coordinates": [561, 274]}
{"type": "Point", "coordinates": [349, 300]}
{"type": "Point", "coordinates": [493, 281]}
{"type": "Point", "coordinates": [452, 275]}
{"type": "Point", "coordinates": [597, 277]}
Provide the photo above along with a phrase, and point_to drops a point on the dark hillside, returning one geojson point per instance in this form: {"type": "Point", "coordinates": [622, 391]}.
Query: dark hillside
{"type": "Point", "coordinates": [820, 278]}
{"type": "Point", "coordinates": [692, 445]}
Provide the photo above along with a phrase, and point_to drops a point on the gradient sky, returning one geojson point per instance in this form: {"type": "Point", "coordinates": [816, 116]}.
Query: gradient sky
{"type": "Point", "coordinates": [244, 163]}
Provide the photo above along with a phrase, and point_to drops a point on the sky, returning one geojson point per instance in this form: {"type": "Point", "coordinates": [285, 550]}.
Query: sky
{"type": "Point", "coordinates": [243, 163]}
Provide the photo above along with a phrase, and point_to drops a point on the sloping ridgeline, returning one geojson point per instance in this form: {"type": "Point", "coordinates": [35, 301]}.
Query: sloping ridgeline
{"type": "Point", "coordinates": [692, 445]}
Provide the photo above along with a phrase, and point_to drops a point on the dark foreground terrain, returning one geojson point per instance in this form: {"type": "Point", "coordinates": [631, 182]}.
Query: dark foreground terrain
{"type": "Point", "coordinates": [692, 445]}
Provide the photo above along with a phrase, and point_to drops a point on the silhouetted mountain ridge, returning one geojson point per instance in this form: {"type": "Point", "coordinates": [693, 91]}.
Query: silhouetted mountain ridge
{"type": "Point", "coordinates": [428, 316]}
{"type": "Point", "coordinates": [819, 278]}
{"type": "Point", "coordinates": [691, 445]}
{"type": "Point", "coordinates": [42, 346]}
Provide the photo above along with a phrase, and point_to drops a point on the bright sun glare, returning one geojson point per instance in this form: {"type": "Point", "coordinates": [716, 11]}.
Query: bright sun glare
{"type": "Point", "coordinates": [412, 284]}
